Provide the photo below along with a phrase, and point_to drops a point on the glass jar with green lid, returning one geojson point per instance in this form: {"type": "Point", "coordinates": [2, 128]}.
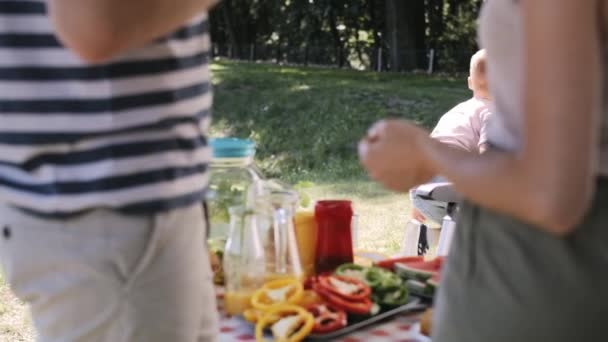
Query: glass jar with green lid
{"type": "Point", "coordinates": [234, 181]}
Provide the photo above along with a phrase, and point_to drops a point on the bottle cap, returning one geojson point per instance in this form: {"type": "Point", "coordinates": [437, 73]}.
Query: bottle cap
{"type": "Point", "coordinates": [232, 148]}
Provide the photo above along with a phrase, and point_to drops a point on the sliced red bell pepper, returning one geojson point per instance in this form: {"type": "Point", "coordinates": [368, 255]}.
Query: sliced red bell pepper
{"type": "Point", "coordinates": [359, 307]}
{"type": "Point", "coordinates": [362, 290]}
{"type": "Point", "coordinates": [309, 282]}
{"type": "Point", "coordinates": [327, 318]}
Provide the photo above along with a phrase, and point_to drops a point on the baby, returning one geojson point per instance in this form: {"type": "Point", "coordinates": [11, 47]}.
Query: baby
{"type": "Point", "coordinates": [464, 127]}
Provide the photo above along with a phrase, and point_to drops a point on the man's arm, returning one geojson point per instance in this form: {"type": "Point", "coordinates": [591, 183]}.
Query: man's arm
{"type": "Point", "coordinates": [101, 29]}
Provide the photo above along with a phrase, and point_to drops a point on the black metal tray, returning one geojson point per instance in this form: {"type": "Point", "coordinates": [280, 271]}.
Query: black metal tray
{"type": "Point", "coordinates": [414, 304]}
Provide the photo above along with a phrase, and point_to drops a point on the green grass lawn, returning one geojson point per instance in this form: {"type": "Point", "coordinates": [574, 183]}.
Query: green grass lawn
{"type": "Point", "coordinates": [306, 122]}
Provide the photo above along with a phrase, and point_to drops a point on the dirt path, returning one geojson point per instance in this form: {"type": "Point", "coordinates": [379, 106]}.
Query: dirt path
{"type": "Point", "coordinates": [15, 322]}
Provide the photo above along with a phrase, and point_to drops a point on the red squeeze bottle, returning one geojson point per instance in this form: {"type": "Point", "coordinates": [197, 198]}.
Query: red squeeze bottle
{"type": "Point", "coordinates": [334, 240]}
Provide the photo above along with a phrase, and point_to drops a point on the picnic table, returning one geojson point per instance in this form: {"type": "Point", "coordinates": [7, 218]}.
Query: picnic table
{"type": "Point", "coordinates": [400, 328]}
{"type": "Point", "coordinates": [403, 328]}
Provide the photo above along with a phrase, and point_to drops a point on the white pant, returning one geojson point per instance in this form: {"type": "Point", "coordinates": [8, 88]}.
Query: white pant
{"type": "Point", "coordinates": [105, 276]}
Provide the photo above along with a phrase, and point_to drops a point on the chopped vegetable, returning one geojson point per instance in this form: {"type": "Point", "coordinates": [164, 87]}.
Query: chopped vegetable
{"type": "Point", "coordinates": [280, 291]}
{"type": "Point", "coordinates": [381, 279]}
{"type": "Point", "coordinates": [375, 277]}
{"type": "Point", "coordinates": [352, 271]}
{"type": "Point", "coordinates": [309, 282]}
{"type": "Point", "coordinates": [421, 270]}
{"type": "Point", "coordinates": [288, 323]}
{"type": "Point", "coordinates": [344, 287]}
{"type": "Point", "coordinates": [396, 297]}
{"type": "Point", "coordinates": [375, 309]}
{"type": "Point", "coordinates": [309, 297]}
{"type": "Point", "coordinates": [416, 286]}
{"type": "Point", "coordinates": [360, 307]}
{"type": "Point", "coordinates": [285, 326]}
{"type": "Point", "coordinates": [389, 264]}
{"type": "Point", "coordinates": [253, 315]}
{"type": "Point", "coordinates": [347, 288]}
{"type": "Point", "coordinates": [327, 318]}
{"type": "Point", "coordinates": [279, 295]}
{"type": "Point", "coordinates": [427, 288]}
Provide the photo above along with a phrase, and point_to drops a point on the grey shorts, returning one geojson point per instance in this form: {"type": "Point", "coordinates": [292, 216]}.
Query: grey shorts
{"type": "Point", "coordinates": [106, 276]}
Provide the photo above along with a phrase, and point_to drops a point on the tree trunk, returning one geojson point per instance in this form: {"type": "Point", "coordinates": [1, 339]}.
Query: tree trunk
{"type": "Point", "coordinates": [229, 27]}
{"type": "Point", "coordinates": [436, 22]}
{"type": "Point", "coordinates": [405, 21]}
{"type": "Point", "coordinates": [333, 23]}
{"type": "Point", "coordinates": [371, 10]}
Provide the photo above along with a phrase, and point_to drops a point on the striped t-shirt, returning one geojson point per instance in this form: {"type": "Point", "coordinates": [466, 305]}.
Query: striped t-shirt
{"type": "Point", "coordinates": [129, 134]}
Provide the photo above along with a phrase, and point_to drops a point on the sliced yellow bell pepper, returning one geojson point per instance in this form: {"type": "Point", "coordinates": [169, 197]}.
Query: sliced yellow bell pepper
{"type": "Point", "coordinates": [253, 315]}
{"type": "Point", "coordinates": [294, 323]}
{"type": "Point", "coordinates": [280, 291]}
{"type": "Point", "coordinates": [309, 297]}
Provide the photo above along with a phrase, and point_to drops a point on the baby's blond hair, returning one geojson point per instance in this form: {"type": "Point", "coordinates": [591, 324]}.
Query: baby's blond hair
{"type": "Point", "coordinates": [478, 81]}
{"type": "Point", "coordinates": [478, 63]}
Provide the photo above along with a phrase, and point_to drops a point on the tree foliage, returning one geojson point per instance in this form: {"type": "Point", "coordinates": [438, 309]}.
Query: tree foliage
{"type": "Point", "coordinates": [363, 34]}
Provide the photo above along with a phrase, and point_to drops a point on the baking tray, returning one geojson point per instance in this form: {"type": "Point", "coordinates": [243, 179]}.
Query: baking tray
{"type": "Point", "coordinates": [414, 304]}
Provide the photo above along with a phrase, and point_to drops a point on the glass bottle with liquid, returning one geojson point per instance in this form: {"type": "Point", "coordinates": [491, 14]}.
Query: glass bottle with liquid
{"type": "Point", "coordinates": [306, 233]}
{"type": "Point", "coordinates": [276, 210]}
{"type": "Point", "coordinates": [234, 181]}
{"type": "Point", "coordinates": [244, 260]}
{"type": "Point", "coordinates": [334, 234]}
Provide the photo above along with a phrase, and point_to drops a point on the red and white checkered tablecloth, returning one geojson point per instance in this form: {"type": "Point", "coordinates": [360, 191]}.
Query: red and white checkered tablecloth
{"type": "Point", "coordinates": [399, 329]}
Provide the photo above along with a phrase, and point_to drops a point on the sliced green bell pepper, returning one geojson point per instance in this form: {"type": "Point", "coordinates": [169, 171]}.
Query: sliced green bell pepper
{"type": "Point", "coordinates": [353, 271]}
{"type": "Point", "coordinates": [377, 278]}
{"type": "Point", "coordinates": [380, 279]}
{"type": "Point", "coordinates": [395, 297]}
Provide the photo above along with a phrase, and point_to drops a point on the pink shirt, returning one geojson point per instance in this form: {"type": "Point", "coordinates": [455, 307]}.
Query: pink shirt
{"type": "Point", "coordinates": [464, 126]}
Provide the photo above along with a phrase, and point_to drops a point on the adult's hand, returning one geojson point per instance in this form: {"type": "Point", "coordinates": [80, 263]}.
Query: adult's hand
{"type": "Point", "coordinates": [392, 154]}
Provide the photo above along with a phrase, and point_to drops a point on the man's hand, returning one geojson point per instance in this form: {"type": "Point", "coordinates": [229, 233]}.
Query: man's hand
{"type": "Point", "coordinates": [393, 156]}
{"type": "Point", "coordinates": [98, 30]}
